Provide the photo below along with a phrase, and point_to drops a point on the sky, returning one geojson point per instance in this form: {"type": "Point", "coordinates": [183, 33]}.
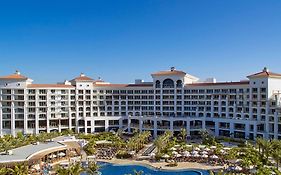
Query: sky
{"type": "Point", "coordinates": [123, 40]}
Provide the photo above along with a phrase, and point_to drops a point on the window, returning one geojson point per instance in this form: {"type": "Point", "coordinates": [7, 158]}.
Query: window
{"type": "Point", "coordinates": [179, 84]}
{"type": "Point", "coordinates": [157, 84]}
{"type": "Point", "coordinates": [168, 83]}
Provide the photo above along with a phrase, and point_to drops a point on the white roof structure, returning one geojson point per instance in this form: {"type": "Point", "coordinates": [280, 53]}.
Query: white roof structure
{"type": "Point", "coordinates": [24, 153]}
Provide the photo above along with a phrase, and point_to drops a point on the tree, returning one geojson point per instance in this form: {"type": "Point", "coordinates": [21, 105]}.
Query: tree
{"type": "Point", "coordinates": [92, 168]}
{"type": "Point", "coordinates": [20, 169]}
{"type": "Point", "coordinates": [183, 134]}
{"type": "Point", "coordinates": [6, 145]}
{"type": "Point", "coordinates": [264, 171]}
{"type": "Point", "coordinates": [207, 139]}
{"type": "Point", "coordinates": [136, 173]}
{"type": "Point", "coordinates": [62, 171]}
{"type": "Point", "coordinates": [4, 171]}
{"type": "Point", "coordinates": [75, 169]}
{"type": "Point", "coordinates": [276, 155]}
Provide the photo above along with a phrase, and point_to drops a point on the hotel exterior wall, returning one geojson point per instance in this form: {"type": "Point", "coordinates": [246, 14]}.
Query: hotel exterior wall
{"type": "Point", "coordinates": [237, 109]}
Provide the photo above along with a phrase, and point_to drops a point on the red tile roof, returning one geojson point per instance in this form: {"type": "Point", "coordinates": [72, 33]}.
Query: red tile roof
{"type": "Point", "coordinates": [265, 73]}
{"type": "Point", "coordinates": [49, 86]}
{"type": "Point", "coordinates": [82, 77]}
{"type": "Point", "coordinates": [219, 83]}
{"type": "Point", "coordinates": [14, 76]}
{"type": "Point", "coordinates": [169, 72]}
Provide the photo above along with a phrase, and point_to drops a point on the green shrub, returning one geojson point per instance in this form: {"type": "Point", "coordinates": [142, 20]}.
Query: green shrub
{"type": "Point", "coordinates": [123, 155]}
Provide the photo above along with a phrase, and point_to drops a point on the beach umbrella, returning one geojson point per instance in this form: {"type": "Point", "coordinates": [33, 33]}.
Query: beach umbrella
{"type": "Point", "coordinates": [204, 152]}
{"type": "Point", "coordinates": [186, 154]}
{"type": "Point", "coordinates": [205, 156]}
{"type": "Point", "coordinates": [61, 154]}
{"type": "Point", "coordinates": [52, 156]}
{"type": "Point", "coordinates": [165, 156]}
{"type": "Point", "coordinates": [214, 157]}
{"type": "Point", "coordinates": [238, 168]}
{"type": "Point", "coordinates": [196, 155]}
{"type": "Point", "coordinates": [207, 149]}
{"type": "Point", "coordinates": [194, 152]}
{"type": "Point", "coordinates": [178, 155]}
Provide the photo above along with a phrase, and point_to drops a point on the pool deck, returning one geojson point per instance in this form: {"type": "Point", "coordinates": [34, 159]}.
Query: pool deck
{"type": "Point", "coordinates": [162, 165]}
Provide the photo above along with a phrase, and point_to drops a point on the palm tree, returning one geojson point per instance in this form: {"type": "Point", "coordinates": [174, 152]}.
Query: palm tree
{"type": "Point", "coordinates": [264, 171]}
{"type": "Point", "coordinates": [6, 145]}
{"type": "Point", "coordinates": [62, 171]}
{"type": "Point", "coordinates": [92, 168]}
{"type": "Point", "coordinates": [277, 156]}
{"type": "Point", "coordinates": [136, 173]}
{"type": "Point", "coordinates": [4, 171]}
{"type": "Point", "coordinates": [20, 169]}
{"type": "Point", "coordinates": [75, 169]}
{"type": "Point", "coordinates": [260, 143]}
{"type": "Point", "coordinates": [183, 134]}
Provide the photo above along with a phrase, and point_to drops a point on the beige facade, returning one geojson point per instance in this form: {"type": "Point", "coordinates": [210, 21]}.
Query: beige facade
{"type": "Point", "coordinates": [173, 100]}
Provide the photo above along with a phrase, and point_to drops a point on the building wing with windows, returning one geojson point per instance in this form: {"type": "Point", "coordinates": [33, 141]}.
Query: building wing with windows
{"type": "Point", "coordinates": [172, 101]}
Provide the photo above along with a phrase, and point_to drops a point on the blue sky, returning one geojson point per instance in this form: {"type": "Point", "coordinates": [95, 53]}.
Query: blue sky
{"type": "Point", "coordinates": [120, 40]}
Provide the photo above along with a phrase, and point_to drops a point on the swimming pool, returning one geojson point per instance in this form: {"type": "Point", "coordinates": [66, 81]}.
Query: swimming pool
{"type": "Point", "coordinates": [112, 169]}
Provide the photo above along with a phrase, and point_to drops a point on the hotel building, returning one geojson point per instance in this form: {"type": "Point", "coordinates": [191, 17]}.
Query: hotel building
{"type": "Point", "coordinates": [172, 101]}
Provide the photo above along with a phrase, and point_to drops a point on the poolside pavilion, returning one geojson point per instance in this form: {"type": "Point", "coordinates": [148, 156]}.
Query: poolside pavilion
{"type": "Point", "coordinates": [43, 152]}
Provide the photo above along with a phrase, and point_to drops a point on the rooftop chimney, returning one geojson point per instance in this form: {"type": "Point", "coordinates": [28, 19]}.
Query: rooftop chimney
{"type": "Point", "coordinates": [82, 75]}
{"type": "Point", "coordinates": [172, 69]}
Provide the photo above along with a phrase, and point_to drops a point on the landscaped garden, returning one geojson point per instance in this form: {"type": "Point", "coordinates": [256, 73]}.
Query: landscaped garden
{"type": "Point", "coordinates": [261, 157]}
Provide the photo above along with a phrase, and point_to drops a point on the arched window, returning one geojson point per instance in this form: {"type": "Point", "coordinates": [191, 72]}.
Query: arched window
{"type": "Point", "coordinates": [179, 84]}
{"type": "Point", "coordinates": [157, 84]}
{"type": "Point", "coordinates": [168, 83]}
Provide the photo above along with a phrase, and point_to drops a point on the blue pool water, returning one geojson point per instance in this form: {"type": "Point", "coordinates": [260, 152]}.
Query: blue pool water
{"type": "Point", "coordinates": [111, 169]}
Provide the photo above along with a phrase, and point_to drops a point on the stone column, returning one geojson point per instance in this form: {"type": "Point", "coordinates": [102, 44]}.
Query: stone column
{"type": "Point", "coordinates": [129, 124]}
{"type": "Point", "coordinates": [188, 128]}
{"type": "Point", "coordinates": [231, 128]}
{"type": "Point", "coordinates": [140, 123]}
{"type": "Point", "coordinates": [275, 125]}
{"type": "Point", "coordinates": [217, 128]}
{"type": "Point", "coordinates": [155, 127]}
{"type": "Point", "coordinates": [171, 125]}
{"type": "Point", "coordinates": [247, 130]}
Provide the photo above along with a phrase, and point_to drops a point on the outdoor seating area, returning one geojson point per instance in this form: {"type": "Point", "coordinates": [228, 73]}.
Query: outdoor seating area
{"type": "Point", "coordinates": [200, 154]}
{"type": "Point", "coordinates": [104, 150]}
